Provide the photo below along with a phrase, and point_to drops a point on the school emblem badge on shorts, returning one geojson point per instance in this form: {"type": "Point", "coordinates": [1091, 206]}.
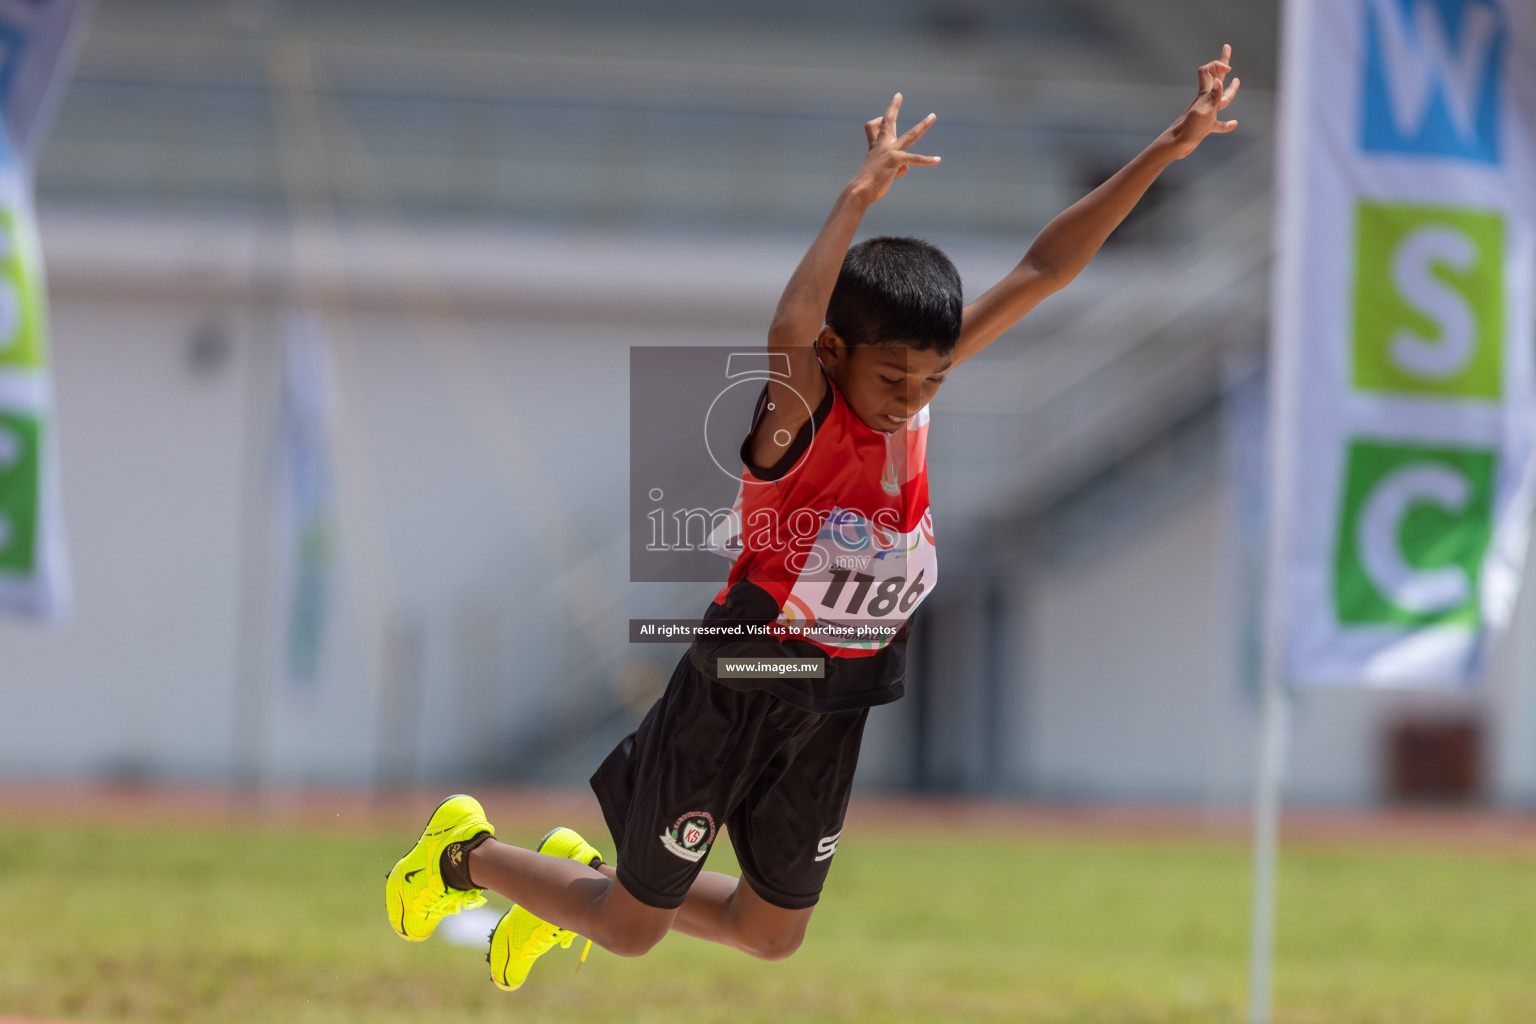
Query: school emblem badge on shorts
{"type": "Point", "coordinates": [690, 835]}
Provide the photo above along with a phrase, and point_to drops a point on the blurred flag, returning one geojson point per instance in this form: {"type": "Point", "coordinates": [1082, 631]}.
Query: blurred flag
{"type": "Point", "coordinates": [1403, 336]}
{"type": "Point", "coordinates": [37, 38]}
{"type": "Point", "coordinates": [307, 519]}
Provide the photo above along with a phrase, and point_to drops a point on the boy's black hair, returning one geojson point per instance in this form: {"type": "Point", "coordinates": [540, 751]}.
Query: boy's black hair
{"type": "Point", "coordinates": [894, 289]}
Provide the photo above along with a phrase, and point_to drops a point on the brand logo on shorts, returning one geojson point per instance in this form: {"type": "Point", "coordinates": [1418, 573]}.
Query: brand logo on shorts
{"type": "Point", "coordinates": [690, 836]}
{"type": "Point", "coordinates": [828, 846]}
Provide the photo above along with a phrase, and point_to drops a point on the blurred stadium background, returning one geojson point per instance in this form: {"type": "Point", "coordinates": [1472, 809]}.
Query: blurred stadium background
{"type": "Point", "coordinates": [481, 207]}
{"type": "Point", "coordinates": [401, 251]}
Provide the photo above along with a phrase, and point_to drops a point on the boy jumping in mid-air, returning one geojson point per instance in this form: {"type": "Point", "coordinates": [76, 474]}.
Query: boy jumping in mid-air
{"type": "Point", "coordinates": [861, 341]}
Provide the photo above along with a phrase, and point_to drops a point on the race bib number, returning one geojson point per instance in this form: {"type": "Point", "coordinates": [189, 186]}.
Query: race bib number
{"type": "Point", "coordinates": [860, 581]}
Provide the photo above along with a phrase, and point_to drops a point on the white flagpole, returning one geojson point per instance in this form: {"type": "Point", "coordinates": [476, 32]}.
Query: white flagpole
{"type": "Point", "coordinates": [1290, 169]}
{"type": "Point", "coordinates": [1266, 836]}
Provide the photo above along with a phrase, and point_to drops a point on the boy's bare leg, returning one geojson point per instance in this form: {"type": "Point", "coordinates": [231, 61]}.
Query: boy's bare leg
{"type": "Point", "coordinates": [592, 902]}
{"type": "Point", "coordinates": [570, 894]}
{"type": "Point", "coordinates": [724, 909]}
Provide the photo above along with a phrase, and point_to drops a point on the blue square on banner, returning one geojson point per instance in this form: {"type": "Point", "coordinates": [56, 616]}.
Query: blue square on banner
{"type": "Point", "coordinates": [1433, 77]}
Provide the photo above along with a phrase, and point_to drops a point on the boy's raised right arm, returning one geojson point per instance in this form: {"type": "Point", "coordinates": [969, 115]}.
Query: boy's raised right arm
{"type": "Point", "coordinates": [802, 309]}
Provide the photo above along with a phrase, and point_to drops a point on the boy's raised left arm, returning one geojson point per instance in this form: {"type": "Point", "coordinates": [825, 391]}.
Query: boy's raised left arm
{"type": "Point", "coordinates": [1064, 247]}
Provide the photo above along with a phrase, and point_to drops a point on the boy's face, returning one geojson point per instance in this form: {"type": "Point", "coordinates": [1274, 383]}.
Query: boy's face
{"type": "Point", "coordinates": [883, 384]}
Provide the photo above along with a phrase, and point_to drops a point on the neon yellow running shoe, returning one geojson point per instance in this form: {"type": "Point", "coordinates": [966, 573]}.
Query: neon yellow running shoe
{"type": "Point", "coordinates": [519, 940]}
{"type": "Point", "coordinates": [564, 842]}
{"type": "Point", "coordinates": [415, 895]}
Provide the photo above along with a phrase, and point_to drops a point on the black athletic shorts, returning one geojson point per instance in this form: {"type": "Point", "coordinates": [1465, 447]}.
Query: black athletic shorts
{"type": "Point", "coordinates": [705, 756]}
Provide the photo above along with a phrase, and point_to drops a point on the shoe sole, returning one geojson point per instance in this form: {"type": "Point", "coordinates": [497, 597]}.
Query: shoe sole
{"type": "Point", "coordinates": [499, 974]}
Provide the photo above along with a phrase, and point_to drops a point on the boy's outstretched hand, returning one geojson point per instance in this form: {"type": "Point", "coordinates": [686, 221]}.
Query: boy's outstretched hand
{"type": "Point", "coordinates": [1200, 119]}
{"type": "Point", "coordinates": [888, 158]}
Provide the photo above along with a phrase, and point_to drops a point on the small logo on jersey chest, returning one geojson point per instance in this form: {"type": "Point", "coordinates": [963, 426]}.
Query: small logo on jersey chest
{"type": "Point", "coordinates": [889, 483]}
{"type": "Point", "coordinates": [690, 835]}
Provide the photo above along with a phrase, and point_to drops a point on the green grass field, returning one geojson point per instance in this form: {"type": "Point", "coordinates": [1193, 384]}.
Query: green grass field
{"type": "Point", "coordinates": [117, 924]}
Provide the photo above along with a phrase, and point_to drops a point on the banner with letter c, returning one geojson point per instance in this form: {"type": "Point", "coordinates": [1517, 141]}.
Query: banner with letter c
{"type": "Point", "coordinates": [1402, 337]}
{"type": "Point", "coordinates": [36, 43]}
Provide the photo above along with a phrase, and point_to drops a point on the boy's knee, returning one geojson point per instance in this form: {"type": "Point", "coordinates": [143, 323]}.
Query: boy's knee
{"type": "Point", "coordinates": [777, 944]}
{"type": "Point", "coordinates": [634, 939]}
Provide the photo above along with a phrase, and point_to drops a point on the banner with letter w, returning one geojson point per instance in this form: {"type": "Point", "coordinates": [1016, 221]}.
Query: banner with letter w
{"type": "Point", "coordinates": [1403, 336]}
{"type": "Point", "coordinates": [36, 42]}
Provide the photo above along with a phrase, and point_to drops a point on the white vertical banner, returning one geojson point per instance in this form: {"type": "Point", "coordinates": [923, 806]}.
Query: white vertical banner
{"type": "Point", "coordinates": [1402, 336]}
{"type": "Point", "coordinates": [36, 42]}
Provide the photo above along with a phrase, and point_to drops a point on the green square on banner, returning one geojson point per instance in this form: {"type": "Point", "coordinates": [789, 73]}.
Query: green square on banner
{"type": "Point", "coordinates": [1429, 300]}
{"type": "Point", "coordinates": [1415, 525]}
{"type": "Point", "coordinates": [20, 472]}
{"type": "Point", "coordinates": [21, 344]}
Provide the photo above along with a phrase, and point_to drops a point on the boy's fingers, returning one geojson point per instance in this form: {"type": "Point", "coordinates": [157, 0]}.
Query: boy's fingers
{"type": "Point", "coordinates": [917, 158]}
{"type": "Point", "coordinates": [1230, 92]}
{"type": "Point", "coordinates": [1224, 126]}
{"type": "Point", "coordinates": [1212, 72]}
{"type": "Point", "coordinates": [1226, 53]}
{"type": "Point", "coordinates": [889, 120]}
{"type": "Point", "coordinates": [916, 131]}
{"type": "Point", "coordinates": [872, 129]}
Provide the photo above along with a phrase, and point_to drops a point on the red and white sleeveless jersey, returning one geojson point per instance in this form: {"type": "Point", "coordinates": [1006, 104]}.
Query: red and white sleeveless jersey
{"type": "Point", "coordinates": [841, 539]}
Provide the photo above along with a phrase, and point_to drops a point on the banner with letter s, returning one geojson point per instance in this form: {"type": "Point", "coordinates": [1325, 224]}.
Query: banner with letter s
{"type": "Point", "coordinates": [1402, 336]}
{"type": "Point", "coordinates": [37, 39]}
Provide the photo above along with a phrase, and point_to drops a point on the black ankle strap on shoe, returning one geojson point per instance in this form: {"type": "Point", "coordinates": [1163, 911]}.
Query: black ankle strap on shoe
{"type": "Point", "coordinates": [454, 862]}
